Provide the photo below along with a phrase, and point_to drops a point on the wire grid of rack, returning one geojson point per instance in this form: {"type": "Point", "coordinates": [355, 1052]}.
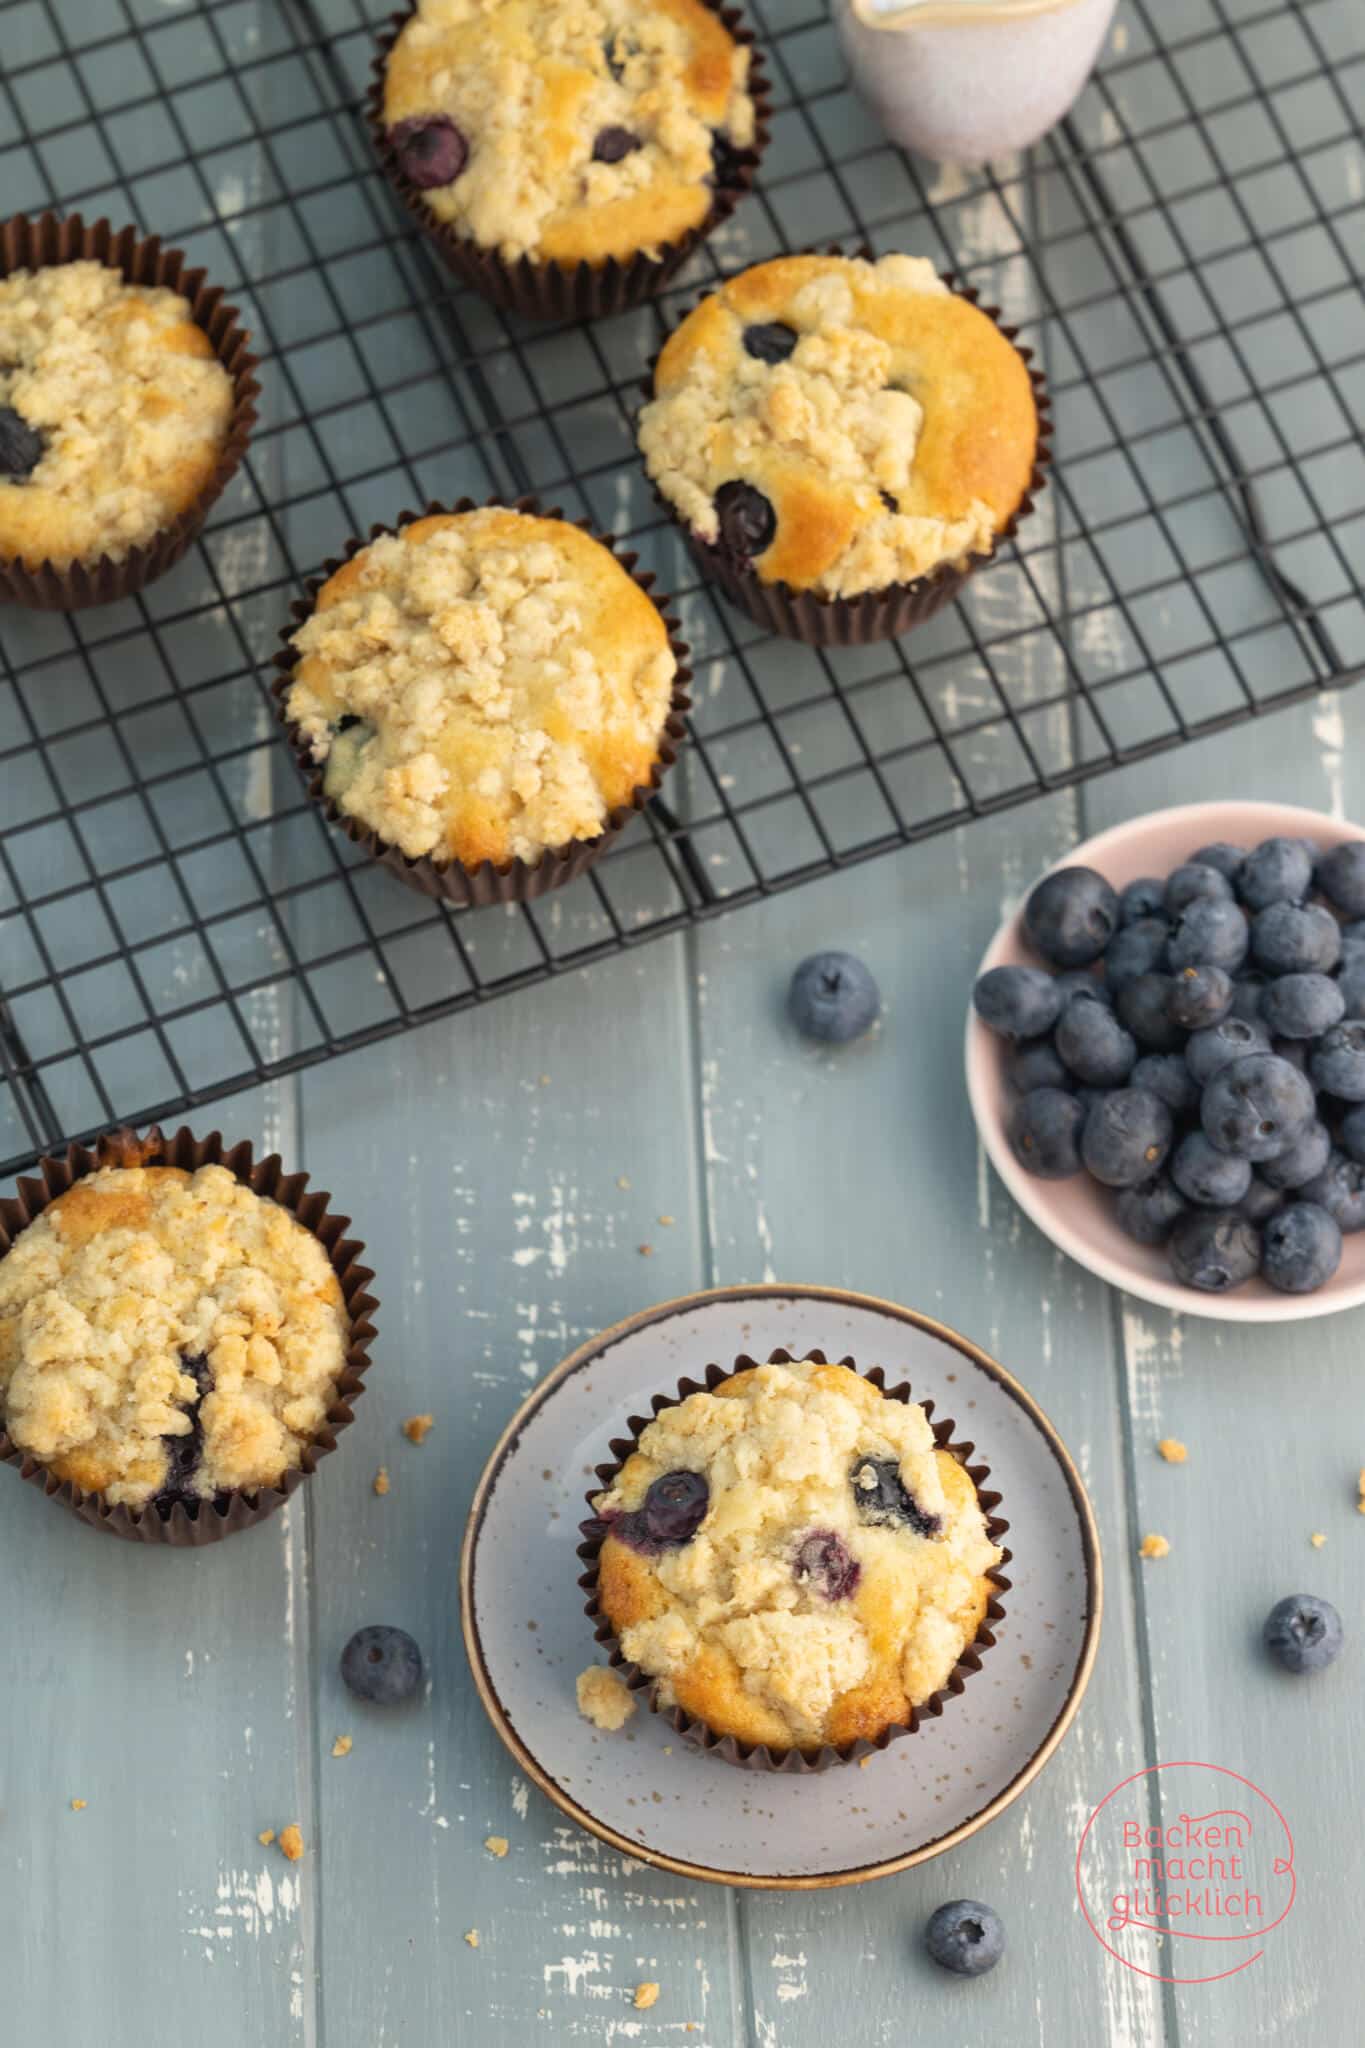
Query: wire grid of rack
{"type": "Point", "coordinates": [176, 920]}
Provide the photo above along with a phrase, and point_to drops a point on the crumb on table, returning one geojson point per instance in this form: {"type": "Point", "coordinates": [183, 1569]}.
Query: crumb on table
{"type": "Point", "coordinates": [666, 1221]}
{"type": "Point", "coordinates": [472, 1937]}
{"type": "Point", "coordinates": [645, 1996]}
{"type": "Point", "coordinates": [646, 1251]}
{"type": "Point", "coordinates": [416, 1427]}
{"type": "Point", "coordinates": [381, 1479]}
{"type": "Point", "coordinates": [496, 1845]}
{"type": "Point", "coordinates": [623, 1180]}
{"type": "Point", "coordinates": [291, 1841]}
{"type": "Point", "coordinates": [603, 1698]}
{"type": "Point", "coordinates": [1172, 1450]}
{"type": "Point", "coordinates": [342, 1746]}
{"type": "Point", "coordinates": [78, 1806]}
{"type": "Point", "coordinates": [1154, 1546]}
{"type": "Point", "coordinates": [266, 1837]}
{"type": "Point", "coordinates": [1317, 1539]}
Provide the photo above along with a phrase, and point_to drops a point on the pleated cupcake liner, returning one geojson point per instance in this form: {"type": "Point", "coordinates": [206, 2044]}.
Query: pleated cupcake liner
{"type": "Point", "coordinates": [582, 291]}
{"type": "Point", "coordinates": [27, 244]}
{"type": "Point", "coordinates": [872, 615]}
{"type": "Point", "coordinates": [183, 1526]}
{"type": "Point", "coordinates": [516, 881]}
{"type": "Point", "coordinates": [761, 1756]}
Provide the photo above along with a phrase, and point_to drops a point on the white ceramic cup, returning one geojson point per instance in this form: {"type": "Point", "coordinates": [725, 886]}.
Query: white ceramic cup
{"type": "Point", "coordinates": [965, 80]}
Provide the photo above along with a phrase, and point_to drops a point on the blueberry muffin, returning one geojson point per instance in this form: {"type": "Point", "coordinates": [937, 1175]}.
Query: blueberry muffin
{"type": "Point", "coordinates": [568, 131]}
{"type": "Point", "coordinates": [792, 1558]}
{"type": "Point", "coordinates": [840, 426]}
{"type": "Point", "coordinates": [484, 685]}
{"type": "Point", "coordinates": [114, 413]}
{"type": "Point", "coordinates": [167, 1336]}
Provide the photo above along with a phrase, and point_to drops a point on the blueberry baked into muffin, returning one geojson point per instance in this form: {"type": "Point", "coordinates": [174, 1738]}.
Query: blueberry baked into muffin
{"type": "Point", "coordinates": [792, 1558]}
{"type": "Point", "coordinates": [483, 686]}
{"type": "Point", "coordinates": [837, 429]}
{"type": "Point", "coordinates": [167, 1336]}
{"type": "Point", "coordinates": [114, 413]}
{"type": "Point", "coordinates": [569, 132]}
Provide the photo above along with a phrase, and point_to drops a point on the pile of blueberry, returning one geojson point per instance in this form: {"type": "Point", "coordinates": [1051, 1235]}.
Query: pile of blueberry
{"type": "Point", "coordinates": [1199, 1046]}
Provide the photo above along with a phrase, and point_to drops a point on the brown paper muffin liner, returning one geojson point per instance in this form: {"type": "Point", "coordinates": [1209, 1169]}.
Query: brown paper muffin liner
{"type": "Point", "coordinates": [208, 1521]}
{"type": "Point", "coordinates": [39, 244]}
{"type": "Point", "coordinates": [873, 614]}
{"type": "Point", "coordinates": [759, 1756]}
{"type": "Point", "coordinates": [518, 881]}
{"type": "Point", "coordinates": [583, 291]}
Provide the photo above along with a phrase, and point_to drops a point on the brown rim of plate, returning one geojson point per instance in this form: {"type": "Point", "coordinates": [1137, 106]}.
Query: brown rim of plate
{"type": "Point", "coordinates": [224, 1515]}
{"type": "Point", "coordinates": [871, 615]}
{"type": "Point", "coordinates": [779, 1291]}
{"type": "Point", "coordinates": [43, 244]}
{"type": "Point", "coordinates": [517, 881]}
{"type": "Point", "coordinates": [760, 1756]}
{"type": "Point", "coordinates": [582, 291]}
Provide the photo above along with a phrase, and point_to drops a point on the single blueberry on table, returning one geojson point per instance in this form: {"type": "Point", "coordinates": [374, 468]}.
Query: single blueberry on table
{"type": "Point", "coordinates": [1149, 1211]}
{"type": "Point", "coordinates": [1080, 985]}
{"type": "Point", "coordinates": [1134, 949]}
{"type": "Point", "coordinates": [747, 519]}
{"type": "Point", "coordinates": [823, 1560]}
{"type": "Point", "coordinates": [1167, 1075]}
{"type": "Point", "coordinates": [1213, 1180]}
{"type": "Point", "coordinates": [1300, 1248]}
{"type": "Point", "coordinates": [1337, 1061]}
{"type": "Point", "coordinates": [882, 1498]}
{"type": "Point", "coordinates": [21, 446]}
{"type": "Point", "coordinates": [1017, 1002]}
{"type": "Point", "coordinates": [1232, 1039]}
{"type": "Point", "coordinates": [1276, 871]}
{"type": "Point", "coordinates": [1214, 1250]}
{"type": "Point", "coordinates": [1303, 1633]}
{"type": "Point", "coordinates": [1305, 1159]}
{"type": "Point", "coordinates": [1035, 1065]}
{"type": "Point", "coordinates": [1341, 877]}
{"type": "Point", "coordinates": [612, 145]}
{"type": "Point", "coordinates": [1260, 1200]}
{"type": "Point", "coordinates": [1210, 933]}
{"type": "Point", "coordinates": [1044, 1133]}
{"type": "Point", "coordinates": [1143, 1007]}
{"type": "Point", "coordinates": [1229, 860]}
{"type": "Point", "coordinates": [1302, 1005]}
{"type": "Point", "coordinates": [965, 1937]}
{"type": "Point", "coordinates": [1351, 1136]}
{"type": "Point", "coordinates": [1295, 938]}
{"type": "Point", "coordinates": [1126, 1137]}
{"type": "Point", "coordinates": [1340, 1190]}
{"type": "Point", "coordinates": [833, 997]}
{"type": "Point", "coordinates": [770, 341]}
{"type": "Point", "coordinates": [1199, 996]}
{"type": "Point", "coordinates": [1070, 916]}
{"type": "Point", "coordinates": [382, 1665]}
{"type": "Point", "coordinates": [1193, 883]}
{"type": "Point", "coordinates": [1257, 1107]}
{"type": "Point", "coordinates": [1141, 899]}
{"type": "Point", "coordinates": [430, 150]}
{"type": "Point", "coordinates": [1094, 1045]}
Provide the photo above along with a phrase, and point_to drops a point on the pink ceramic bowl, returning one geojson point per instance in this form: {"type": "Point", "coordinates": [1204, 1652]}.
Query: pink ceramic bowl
{"type": "Point", "coordinates": [1077, 1215]}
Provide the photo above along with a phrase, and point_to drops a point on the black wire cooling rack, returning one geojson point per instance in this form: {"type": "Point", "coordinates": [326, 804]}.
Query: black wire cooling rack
{"type": "Point", "coordinates": [1184, 253]}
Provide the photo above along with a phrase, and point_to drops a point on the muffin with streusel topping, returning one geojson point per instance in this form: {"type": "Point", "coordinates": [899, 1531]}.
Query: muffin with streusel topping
{"type": "Point", "coordinates": [482, 697]}
{"type": "Point", "coordinates": [793, 1559]}
{"type": "Point", "coordinates": [568, 154]}
{"type": "Point", "coordinates": [842, 440]}
{"type": "Point", "coordinates": [171, 1338]}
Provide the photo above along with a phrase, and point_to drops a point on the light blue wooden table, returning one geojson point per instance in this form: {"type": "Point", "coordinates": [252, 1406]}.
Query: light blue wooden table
{"type": "Point", "coordinates": [193, 1701]}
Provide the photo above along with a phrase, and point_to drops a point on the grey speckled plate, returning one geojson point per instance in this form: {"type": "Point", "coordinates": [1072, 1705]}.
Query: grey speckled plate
{"type": "Point", "coordinates": [643, 1789]}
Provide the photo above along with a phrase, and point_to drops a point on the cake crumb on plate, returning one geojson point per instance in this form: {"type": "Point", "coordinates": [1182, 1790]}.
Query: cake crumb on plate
{"type": "Point", "coordinates": [496, 1845]}
{"type": "Point", "coordinates": [472, 1937]}
{"type": "Point", "coordinates": [291, 1841]}
{"type": "Point", "coordinates": [266, 1837]}
{"type": "Point", "coordinates": [1154, 1546]}
{"type": "Point", "coordinates": [645, 1996]}
{"type": "Point", "coordinates": [381, 1480]}
{"type": "Point", "coordinates": [416, 1427]}
{"type": "Point", "coordinates": [342, 1746]}
{"type": "Point", "coordinates": [1317, 1539]}
{"type": "Point", "coordinates": [603, 1698]}
{"type": "Point", "coordinates": [1172, 1450]}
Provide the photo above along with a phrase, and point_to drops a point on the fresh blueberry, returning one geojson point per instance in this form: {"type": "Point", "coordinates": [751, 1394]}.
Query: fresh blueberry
{"type": "Point", "coordinates": [1035, 1065]}
{"type": "Point", "coordinates": [1352, 1134]}
{"type": "Point", "coordinates": [1044, 1133]}
{"type": "Point", "coordinates": [430, 150]}
{"type": "Point", "coordinates": [1213, 1180]}
{"type": "Point", "coordinates": [1257, 1107]}
{"type": "Point", "coordinates": [1247, 991]}
{"type": "Point", "coordinates": [1017, 1002]}
{"type": "Point", "coordinates": [1211, 933]}
{"type": "Point", "coordinates": [1193, 883]}
{"type": "Point", "coordinates": [1134, 949]}
{"type": "Point", "coordinates": [1126, 1137]}
{"type": "Point", "coordinates": [1340, 1190]}
{"type": "Point", "coordinates": [1081, 985]}
{"type": "Point", "coordinates": [881, 1498]}
{"type": "Point", "coordinates": [1276, 871]}
{"type": "Point", "coordinates": [1351, 982]}
{"type": "Point", "coordinates": [612, 145]}
{"type": "Point", "coordinates": [965, 1937]}
{"type": "Point", "coordinates": [21, 446]}
{"type": "Point", "coordinates": [1150, 1211]}
{"type": "Point", "coordinates": [747, 520]}
{"type": "Point", "coordinates": [1071, 916]}
{"type": "Point", "coordinates": [1094, 1046]}
{"type": "Point", "coordinates": [1167, 1075]}
{"type": "Point", "coordinates": [675, 1507]}
{"type": "Point", "coordinates": [1300, 1248]}
{"type": "Point", "coordinates": [1214, 1250]}
{"type": "Point", "coordinates": [1302, 1005]}
{"type": "Point", "coordinates": [1341, 877]}
{"type": "Point", "coordinates": [1295, 938]}
{"type": "Point", "coordinates": [1337, 1061]}
{"type": "Point", "coordinates": [1303, 1633]}
{"type": "Point", "coordinates": [1143, 1007]}
{"type": "Point", "coordinates": [382, 1665]}
{"type": "Point", "coordinates": [1198, 997]}
{"type": "Point", "coordinates": [1306, 1158]}
{"type": "Point", "coordinates": [833, 997]}
{"type": "Point", "coordinates": [824, 1561]}
{"type": "Point", "coordinates": [1260, 1200]}
{"type": "Point", "coordinates": [772, 341]}
{"type": "Point", "coordinates": [1229, 860]}
{"type": "Point", "coordinates": [1233, 1039]}
{"type": "Point", "coordinates": [1141, 899]}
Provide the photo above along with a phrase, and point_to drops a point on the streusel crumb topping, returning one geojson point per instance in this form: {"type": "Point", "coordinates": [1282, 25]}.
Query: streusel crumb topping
{"type": "Point", "coordinates": [876, 424]}
{"type": "Point", "coordinates": [163, 1331]}
{"type": "Point", "coordinates": [838, 1571]}
{"type": "Point", "coordinates": [576, 130]}
{"type": "Point", "coordinates": [603, 1699]}
{"type": "Point", "coordinates": [123, 410]}
{"type": "Point", "coordinates": [484, 686]}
